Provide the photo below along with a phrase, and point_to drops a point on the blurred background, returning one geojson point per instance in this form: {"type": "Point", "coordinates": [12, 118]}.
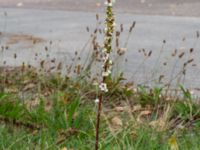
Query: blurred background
{"type": "Point", "coordinates": [155, 7]}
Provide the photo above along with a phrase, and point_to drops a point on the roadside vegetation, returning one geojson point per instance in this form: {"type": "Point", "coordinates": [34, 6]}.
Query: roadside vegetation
{"type": "Point", "coordinates": [54, 112]}
{"type": "Point", "coordinates": [55, 106]}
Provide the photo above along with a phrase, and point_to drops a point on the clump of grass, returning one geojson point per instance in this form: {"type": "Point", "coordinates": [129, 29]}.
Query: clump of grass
{"type": "Point", "coordinates": [57, 112]}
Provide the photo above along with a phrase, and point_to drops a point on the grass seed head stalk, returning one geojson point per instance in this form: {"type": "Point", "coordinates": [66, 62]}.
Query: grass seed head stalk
{"type": "Point", "coordinates": [107, 63]}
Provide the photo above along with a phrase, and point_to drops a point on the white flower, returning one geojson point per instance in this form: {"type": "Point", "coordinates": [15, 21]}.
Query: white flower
{"type": "Point", "coordinates": [103, 87]}
{"type": "Point", "coordinates": [106, 29]}
{"type": "Point", "coordinates": [105, 57]}
{"type": "Point", "coordinates": [104, 50]}
{"type": "Point", "coordinates": [107, 73]}
{"type": "Point", "coordinates": [110, 62]}
{"type": "Point", "coordinates": [109, 3]}
{"type": "Point", "coordinates": [96, 100]}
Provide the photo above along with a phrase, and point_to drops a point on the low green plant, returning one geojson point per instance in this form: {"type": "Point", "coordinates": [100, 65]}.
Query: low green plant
{"type": "Point", "coordinates": [186, 93]}
{"type": "Point", "coordinates": [150, 97]}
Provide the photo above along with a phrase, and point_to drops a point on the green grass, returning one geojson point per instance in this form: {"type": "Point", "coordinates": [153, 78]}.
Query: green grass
{"type": "Point", "coordinates": [60, 112]}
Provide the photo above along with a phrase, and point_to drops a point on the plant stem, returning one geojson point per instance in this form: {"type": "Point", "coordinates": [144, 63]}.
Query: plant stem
{"type": "Point", "coordinates": [106, 64]}
{"type": "Point", "coordinates": [98, 121]}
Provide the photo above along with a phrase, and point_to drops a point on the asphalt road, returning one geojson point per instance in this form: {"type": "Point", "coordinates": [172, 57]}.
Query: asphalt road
{"type": "Point", "coordinates": [67, 30]}
{"type": "Point", "coordinates": [153, 7]}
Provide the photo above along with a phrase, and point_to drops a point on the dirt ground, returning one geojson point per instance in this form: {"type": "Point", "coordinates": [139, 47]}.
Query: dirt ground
{"type": "Point", "coordinates": [152, 7]}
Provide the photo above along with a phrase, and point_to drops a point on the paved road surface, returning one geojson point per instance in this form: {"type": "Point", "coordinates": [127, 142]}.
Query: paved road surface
{"type": "Point", "coordinates": [20, 27]}
{"type": "Point", "coordinates": [154, 7]}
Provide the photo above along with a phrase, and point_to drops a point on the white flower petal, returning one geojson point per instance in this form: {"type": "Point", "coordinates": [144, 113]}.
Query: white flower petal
{"type": "Point", "coordinates": [106, 73]}
{"type": "Point", "coordinates": [110, 4]}
{"type": "Point", "coordinates": [96, 100]}
{"type": "Point", "coordinates": [103, 87]}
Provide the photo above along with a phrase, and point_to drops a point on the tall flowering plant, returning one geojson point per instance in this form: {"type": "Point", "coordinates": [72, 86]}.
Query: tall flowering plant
{"type": "Point", "coordinates": [107, 63]}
